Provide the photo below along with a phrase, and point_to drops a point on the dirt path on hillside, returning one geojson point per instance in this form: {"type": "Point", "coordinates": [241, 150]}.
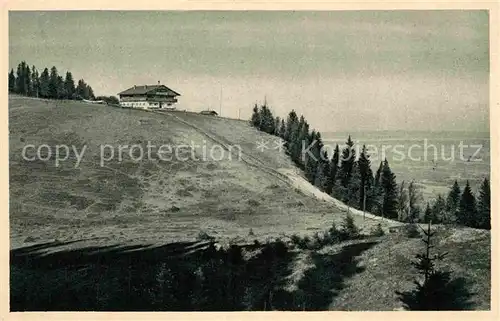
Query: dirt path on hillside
{"type": "Point", "coordinates": [303, 185]}
{"type": "Point", "coordinates": [291, 177]}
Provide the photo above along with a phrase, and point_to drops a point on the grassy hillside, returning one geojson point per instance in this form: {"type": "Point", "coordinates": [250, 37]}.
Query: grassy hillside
{"type": "Point", "coordinates": [149, 200]}
{"type": "Point", "coordinates": [125, 216]}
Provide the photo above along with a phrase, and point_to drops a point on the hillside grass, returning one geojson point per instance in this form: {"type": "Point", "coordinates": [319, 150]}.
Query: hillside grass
{"type": "Point", "coordinates": [145, 201]}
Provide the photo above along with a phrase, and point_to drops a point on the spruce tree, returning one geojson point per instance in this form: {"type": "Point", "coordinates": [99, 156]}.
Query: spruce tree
{"type": "Point", "coordinates": [402, 202]}
{"type": "Point", "coordinates": [69, 86]}
{"type": "Point", "coordinates": [82, 90]}
{"type": "Point", "coordinates": [299, 132]}
{"type": "Point", "coordinates": [439, 210]}
{"type": "Point", "coordinates": [44, 83]}
{"type": "Point", "coordinates": [295, 145]}
{"type": "Point", "coordinates": [35, 81]}
{"type": "Point", "coordinates": [436, 290]}
{"type": "Point", "coordinates": [453, 199]}
{"type": "Point", "coordinates": [428, 214]}
{"type": "Point", "coordinates": [376, 194]}
{"type": "Point", "coordinates": [388, 183]}
{"type": "Point", "coordinates": [282, 129]}
{"type": "Point", "coordinates": [92, 96]}
{"type": "Point", "coordinates": [483, 206]}
{"type": "Point", "coordinates": [348, 229]}
{"type": "Point", "coordinates": [366, 177]}
{"type": "Point", "coordinates": [322, 179]}
{"type": "Point", "coordinates": [346, 162]}
{"type": "Point", "coordinates": [354, 187]}
{"type": "Point", "coordinates": [20, 79]}
{"type": "Point", "coordinates": [54, 83]}
{"type": "Point", "coordinates": [12, 81]}
{"type": "Point", "coordinates": [312, 156]}
{"type": "Point", "coordinates": [467, 212]}
{"type": "Point", "coordinates": [255, 121]}
{"type": "Point", "coordinates": [291, 123]}
{"type": "Point", "coordinates": [27, 81]}
{"type": "Point", "coordinates": [333, 169]}
{"type": "Point", "coordinates": [277, 123]}
{"type": "Point", "coordinates": [266, 120]}
{"type": "Point", "coordinates": [414, 199]}
{"type": "Point", "coordinates": [61, 90]}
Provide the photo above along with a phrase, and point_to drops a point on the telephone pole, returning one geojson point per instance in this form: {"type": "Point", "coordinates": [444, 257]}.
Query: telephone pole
{"type": "Point", "coordinates": [220, 101]}
{"type": "Point", "coordinates": [364, 201]}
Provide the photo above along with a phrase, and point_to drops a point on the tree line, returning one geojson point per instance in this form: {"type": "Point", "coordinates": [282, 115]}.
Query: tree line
{"type": "Point", "coordinates": [48, 84]}
{"type": "Point", "coordinates": [349, 177]}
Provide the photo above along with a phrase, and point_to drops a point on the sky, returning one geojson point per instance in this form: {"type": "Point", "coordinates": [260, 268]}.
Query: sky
{"type": "Point", "coordinates": [343, 70]}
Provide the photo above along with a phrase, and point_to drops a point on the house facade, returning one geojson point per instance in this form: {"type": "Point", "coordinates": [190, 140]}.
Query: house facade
{"type": "Point", "coordinates": [149, 97]}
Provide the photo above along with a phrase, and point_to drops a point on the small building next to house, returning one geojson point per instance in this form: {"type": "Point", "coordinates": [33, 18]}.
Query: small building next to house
{"type": "Point", "coordinates": [148, 97]}
{"type": "Point", "coordinates": [209, 112]}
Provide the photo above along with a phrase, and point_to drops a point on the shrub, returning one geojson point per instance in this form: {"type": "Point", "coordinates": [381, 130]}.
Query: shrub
{"type": "Point", "coordinates": [203, 236]}
{"type": "Point", "coordinates": [349, 230]}
{"type": "Point", "coordinates": [378, 231]}
{"type": "Point", "coordinates": [412, 230]}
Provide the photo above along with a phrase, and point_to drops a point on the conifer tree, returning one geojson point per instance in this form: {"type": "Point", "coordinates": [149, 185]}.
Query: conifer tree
{"type": "Point", "coordinates": [44, 83]}
{"type": "Point", "coordinates": [313, 155]}
{"type": "Point", "coordinates": [437, 290]}
{"type": "Point", "coordinates": [453, 199]}
{"type": "Point", "coordinates": [53, 83]}
{"type": "Point", "coordinates": [333, 169]}
{"type": "Point", "coordinates": [82, 90]}
{"type": "Point", "coordinates": [388, 183]}
{"type": "Point", "coordinates": [299, 132]}
{"type": "Point", "coordinates": [266, 120]}
{"type": "Point", "coordinates": [439, 210]}
{"type": "Point", "coordinates": [35, 82]}
{"type": "Point", "coordinates": [27, 81]}
{"type": "Point", "coordinates": [428, 214]}
{"type": "Point", "coordinates": [21, 78]}
{"type": "Point", "coordinates": [376, 194]}
{"type": "Point", "coordinates": [282, 129]}
{"type": "Point", "coordinates": [414, 199]}
{"type": "Point", "coordinates": [348, 229]}
{"type": "Point", "coordinates": [321, 178]}
{"type": "Point", "coordinates": [255, 121]}
{"type": "Point", "coordinates": [483, 208]}
{"type": "Point", "coordinates": [354, 187]}
{"type": "Point", "coordinates": [12, 81]}
{"type": "Point", "coordinates": [402, 202]}
{"type": "Point", "coordinates": [92, 96]}
{"type": "Point", "coordinates": [291, 123]}
{"type": "Point", "coordinates": [69, 86]}
{"type": "Point", "coordinates": [347, 162]}
{"type": "Point", "coordinates": [467, 212]}
{"type": "Point", "coordinates": [277, 123]}
{"type": "Point", "coordinates": [366, 177]}
{"type": "Point", "coordinates": [295, 145]}
{"type": "Point", "coordinates": [61, 90]}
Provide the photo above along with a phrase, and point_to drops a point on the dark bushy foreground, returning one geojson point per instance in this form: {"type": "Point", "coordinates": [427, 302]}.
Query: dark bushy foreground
{"type": "Point", "coordinates": [438, 290]}
{"type": "Point", "coordinates": [194, 276]}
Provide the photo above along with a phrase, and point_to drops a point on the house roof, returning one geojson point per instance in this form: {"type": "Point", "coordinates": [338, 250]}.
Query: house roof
{"type": "Point", "coordinates": [208, 112]}
{"type": "Point", "coordinates": [141, 90]}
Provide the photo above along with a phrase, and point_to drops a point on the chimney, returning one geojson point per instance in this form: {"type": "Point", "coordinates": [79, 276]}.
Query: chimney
{"type": "Point", "coordinates": [135, 87]}
{"type": "Point", "coordinates": [146, 86]}
{"type": "Point", "coordinates": [158, 82]}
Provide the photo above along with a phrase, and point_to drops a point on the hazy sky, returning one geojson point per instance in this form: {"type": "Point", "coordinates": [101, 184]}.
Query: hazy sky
{"type": "Point", "coordinates": [421, 70]}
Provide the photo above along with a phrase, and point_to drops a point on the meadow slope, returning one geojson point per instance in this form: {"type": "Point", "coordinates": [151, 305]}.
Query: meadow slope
{"type": "Point", "coordinates": [151, 200]}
